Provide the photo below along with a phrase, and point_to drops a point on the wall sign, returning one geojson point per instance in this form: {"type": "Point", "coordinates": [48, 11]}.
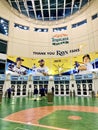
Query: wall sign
{"type": "Point", "coordinates": [59, 39]}
{"type": "Point", "coordinates": [57, 53]}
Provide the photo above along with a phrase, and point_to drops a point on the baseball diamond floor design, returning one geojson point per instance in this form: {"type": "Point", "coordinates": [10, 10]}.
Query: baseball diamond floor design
{"type": "Point", "coordinates": [66, 113]}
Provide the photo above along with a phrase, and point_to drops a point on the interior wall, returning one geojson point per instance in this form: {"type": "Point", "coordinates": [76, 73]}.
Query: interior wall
{"type": "Point", "coordinates": [25, 42]}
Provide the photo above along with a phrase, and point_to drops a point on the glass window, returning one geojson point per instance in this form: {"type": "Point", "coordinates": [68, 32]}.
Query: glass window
{"type": "Point", "coordinates": [66, 82]}
{"type": "Point", "coordinates": [45, 82]}
{"type": "Point", "coordinates": [35, 82]}
{"type": "Point", "coordinates": [1, 87]}
{"type": "Point", "coordinates": [19, 82]}
{"type": "Point", "coordinates": [14, 4]}
{"type": "Point", "coordinates": [67, 11]}
{"type": "Point", "coordinates": [39, 14]}
{"type": "Point", "coordinates": [89, 81]}
{"type": "Point", "coordinates": [83, 81]}
{"type": "Point", "coordinates": [76, 6]}
{"type": "Point", "coordinates": [57, 9]}
{"type": "Point", "coordinates": [52, 4]}
{"type": "Point", "coordinates": [41, 82]}
{"type": "Point", "coordinates": [41, 29]}
{"type": "Point", "coordinates": [3, 46]}
{"type": "Point", "coordinates": [45, 4]}
{"type": "Point", "coordinates": [2, 66]}
{"type": "Point", "coordinates": [83, 2]}
{"type": "Point", "coordinates": [21, 26]}
{"type": "Point", "coordinates": [78, 81]}
{"type": "Point", "coordinates": [31, 14]}
{"type": "Point", "coordinates": [4, 26]}
{"type": "Point", "coordinates": [46, 13]}
{"type": "Point", "coordinates": [24, 82]}
{"type": "Point", "coordinates": [94, 16]}
{"type": "Point", "coordinates": [61, 4]}
{"type": "Point", "coordinates": [13, 82]}
{"type": "Point", "coordinates": [79, 23]}
{"type": "Point", "coordinates": [56, 82]}
{"type": "Point", "coordinates": [59, 29]}
{"type": "Point", "coordinates": [60, 12]}
{"type": "Point", "coordinates": [23, 8]}
{"type": "Point", "coordinates": [37, 4]}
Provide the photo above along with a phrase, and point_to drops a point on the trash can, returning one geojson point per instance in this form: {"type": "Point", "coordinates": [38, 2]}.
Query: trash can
{"type": "Point", "coordinates": [0, 97]}
{"type": "Point", "coordinates": [50, 97]}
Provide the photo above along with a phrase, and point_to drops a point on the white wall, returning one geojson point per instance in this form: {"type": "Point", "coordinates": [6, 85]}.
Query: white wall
{"type": "Point", "coordinates": [24, 42]}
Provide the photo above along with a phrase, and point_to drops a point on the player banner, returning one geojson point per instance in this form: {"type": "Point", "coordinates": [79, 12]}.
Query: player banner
{"type": "Point", "coordinates": [17, 65]}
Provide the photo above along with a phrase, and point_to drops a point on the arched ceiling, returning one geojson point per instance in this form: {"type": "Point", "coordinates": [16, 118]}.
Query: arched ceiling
{"type": "Point", "coordinates": [47, 10]}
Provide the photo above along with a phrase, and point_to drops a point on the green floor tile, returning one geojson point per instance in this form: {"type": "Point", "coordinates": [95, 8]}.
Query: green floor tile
{"type": "Point", "coordinates": [58, 119]}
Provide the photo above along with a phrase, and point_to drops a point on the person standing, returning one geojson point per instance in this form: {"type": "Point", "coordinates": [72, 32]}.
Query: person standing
{"type": "Point", "coordinates": [9, 92]}
{"type": "Point", "coordinates": [52, 90]}
{"type": "Point", "coordinates": [46, 90]}
{"type": "Point", "coordinates": [42, 92]}
{"type": "Point", "coordinates": [35, 93]}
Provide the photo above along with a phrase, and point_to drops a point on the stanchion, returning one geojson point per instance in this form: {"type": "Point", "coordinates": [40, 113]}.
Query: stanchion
{"type": "Point", "coordinates": [74, 93]}
{"type": "Point", "coordinates": [70, 93]}
{"type": "Point", "coordinates": [50, 97]}
{"type": "Point", "coordinates": [93, 94]}
{"type": "Point", "coordinates": [0, 97]}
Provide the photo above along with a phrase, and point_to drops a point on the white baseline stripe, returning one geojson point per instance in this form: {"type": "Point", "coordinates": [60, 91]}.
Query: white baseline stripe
{"type": "Point", "coordinates": [39, 125]}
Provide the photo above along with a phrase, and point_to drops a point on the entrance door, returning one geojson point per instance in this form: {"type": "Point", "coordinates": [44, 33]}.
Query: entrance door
{"type": "Point", "coordinates": [90, 86]}
{"type": "Point", "coordinates": [79, 93]}
{"type": "Point", "coordinates": [62, 90]}
{"type": "Point", "coordinates": [84, 89]}
{"type": "Point", "coordinates": [1, 90]}
{"type": "Point", "coordinates": [67, 89]}
{"type": "Point", "coordinates": [56, 90]}
{"type": "Point", "coordinates": [18, 89]}
{"type": "Point", "coordinates": [24, 89]}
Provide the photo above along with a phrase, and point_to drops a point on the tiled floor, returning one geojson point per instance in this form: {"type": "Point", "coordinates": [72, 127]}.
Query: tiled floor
{"type": "Point", "coordinates": [66, 113]}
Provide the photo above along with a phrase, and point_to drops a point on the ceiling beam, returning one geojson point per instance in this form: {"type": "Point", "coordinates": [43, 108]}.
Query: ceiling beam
{"type": "Point", "coordinates": [56, 9]}
{"type": "Point", "coordinates": [72, 6]}
{"type": "Point", "coordinates": [33, 4]}
{"type": "Point", "coordinates": [17, 2]}
{"type": "Point", "coordinates": [88, 2]}
{"type": "Point", "coordinates": [42, 10]}
{"type": "Point", "coordinates": [26, 7]}
{"type": "Point", "coordinates": [10, 3]}
{"type": "Point", "coordinates": [80, 4]}
{"type": "Point", "coordinates": [49, 8]}
{"type": "Point", "coordinates": [64, 8]}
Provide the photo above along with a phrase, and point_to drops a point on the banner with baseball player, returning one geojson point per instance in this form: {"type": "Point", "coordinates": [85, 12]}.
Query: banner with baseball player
{"type": "Point", "coordinates": [17, 65]}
